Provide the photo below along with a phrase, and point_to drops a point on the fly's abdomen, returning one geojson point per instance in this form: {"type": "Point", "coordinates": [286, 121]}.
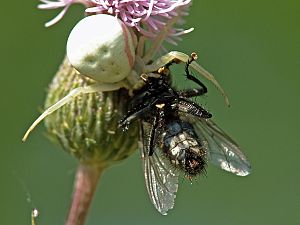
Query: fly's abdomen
{"type": "Point", "coordinates": [183, 148]}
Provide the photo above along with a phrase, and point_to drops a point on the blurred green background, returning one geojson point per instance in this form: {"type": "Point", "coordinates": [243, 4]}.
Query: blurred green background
{"type": "Point", "coordinates": [252, 47]}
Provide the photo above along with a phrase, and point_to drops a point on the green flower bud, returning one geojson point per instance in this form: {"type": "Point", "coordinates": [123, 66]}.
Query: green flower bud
{"type": "Point", "coordinates": [87, 127]}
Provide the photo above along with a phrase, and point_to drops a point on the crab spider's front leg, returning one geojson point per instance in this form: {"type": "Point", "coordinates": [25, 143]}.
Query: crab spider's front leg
{"type": "Point", "coordinates": [182, 57]}
{"type": "Point", "coordinates": [97, 87]}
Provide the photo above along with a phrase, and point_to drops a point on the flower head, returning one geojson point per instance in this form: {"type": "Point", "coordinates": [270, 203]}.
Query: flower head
{"type": "Point", "coordinates": [87, 128]}
{"type": "Point", "coordinates": [65, 4]}
{"type": "Point", "coordinates": [148, 17]}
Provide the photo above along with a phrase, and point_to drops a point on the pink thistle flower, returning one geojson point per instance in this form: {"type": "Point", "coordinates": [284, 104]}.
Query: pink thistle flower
{"type": "Point", "coordinates": [65, 4]}
{"type": "Point", "coordinates": [148, 17]}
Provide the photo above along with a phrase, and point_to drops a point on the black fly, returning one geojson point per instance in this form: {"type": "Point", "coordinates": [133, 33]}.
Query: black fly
{"type": "Point", "coordinates": [177, 135]}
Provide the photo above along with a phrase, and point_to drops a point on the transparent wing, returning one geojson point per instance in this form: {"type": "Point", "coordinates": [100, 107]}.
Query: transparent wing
{"type": "Point", "coordinates": [161, 181]}
{"type": "Point", "coordinates": [222, 150]}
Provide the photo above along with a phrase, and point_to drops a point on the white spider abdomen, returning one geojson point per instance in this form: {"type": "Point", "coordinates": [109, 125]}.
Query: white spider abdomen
{"type": "Point", "coordinates": [102, 48]}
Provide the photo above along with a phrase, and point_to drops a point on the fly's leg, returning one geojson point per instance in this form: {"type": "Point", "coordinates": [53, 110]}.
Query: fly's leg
{"type": "Point", "coordinates": [190, 76]}
{"type": "Point", "coordinates": [153, 134]}
{"type": "Point", "coordinates": [98, 87]}
{"type": "Point", "coordinates": [196, 91]}
{"type": "Point", "coordinates": [192, 108]}
{"type": "Point", "coordinates": [157, 123]}
{"type": "Point", "coordinates": [132, 115]}
{"type": "Point", "coordinates": [135, 113]}
{"type": "Point", "coordinates": [182, 57]}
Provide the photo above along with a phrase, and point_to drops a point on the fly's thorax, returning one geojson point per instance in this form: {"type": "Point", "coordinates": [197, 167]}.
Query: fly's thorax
{"type": "Point", "coordinates": [183, 148]}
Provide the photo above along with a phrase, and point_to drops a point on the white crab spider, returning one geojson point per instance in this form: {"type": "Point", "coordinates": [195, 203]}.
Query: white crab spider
{"type": "Point", "coordinates": [120, 67]}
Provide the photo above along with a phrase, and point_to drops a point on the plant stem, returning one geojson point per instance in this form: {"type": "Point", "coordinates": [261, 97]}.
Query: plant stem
{"type": "Point", "coordinates": [87, 177]}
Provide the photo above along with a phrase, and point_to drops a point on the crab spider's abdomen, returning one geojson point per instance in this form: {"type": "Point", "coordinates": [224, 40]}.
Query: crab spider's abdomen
{"type": "Point", "coordinates": [102, 48]}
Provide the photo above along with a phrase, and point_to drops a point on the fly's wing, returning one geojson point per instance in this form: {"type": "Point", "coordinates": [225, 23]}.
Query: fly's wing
{"type": "Point", "coordinates": [222, 150]}
{"type": "Point", "coordinates": [161, 181]}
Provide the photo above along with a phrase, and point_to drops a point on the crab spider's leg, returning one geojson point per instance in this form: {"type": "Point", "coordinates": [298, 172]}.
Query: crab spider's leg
{"type": "Point", "coordinates": [174, 55]}
{"type": "Point", "coordinates": [210, 77]}
{"type": "Point", "coordinates": [98, 87]}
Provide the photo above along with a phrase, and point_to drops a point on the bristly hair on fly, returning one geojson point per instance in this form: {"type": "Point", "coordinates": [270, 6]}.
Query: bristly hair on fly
{"type": "Point", "coordinates": [163, 113]}
{"type": "Point", "coordinates": [177, 135]}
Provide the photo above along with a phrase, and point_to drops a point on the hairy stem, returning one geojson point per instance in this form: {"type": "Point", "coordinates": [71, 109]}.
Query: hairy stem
{"type": "Point", "coordinates": [87, 177]}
